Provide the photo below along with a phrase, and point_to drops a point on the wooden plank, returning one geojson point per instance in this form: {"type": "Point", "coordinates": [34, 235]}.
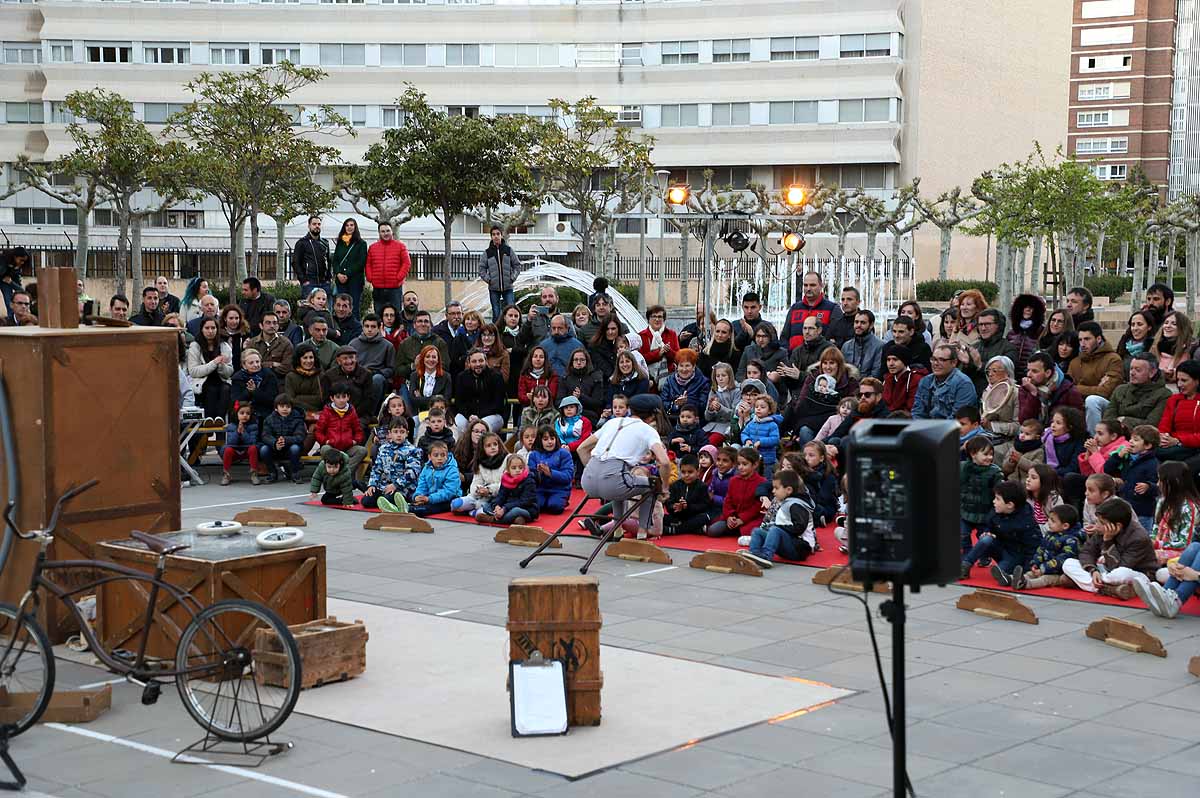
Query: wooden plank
{"type": "Point", "coordinates": [638, 551]}
{"type": "Point", "coordinates": [726, 562]}
{"type": "Point", "coordinates": [397, 522]}
{"type": "Point", "coordinates": [330, 651]}
{"type": "Point", "coordinates": [1126, 635]}
{"type": "Point", "coordinates": [840, 577]}
{"type": "Point", "coordinates": [269, 516]}
{"type": "Point", "coordinates": [522, 535]}
{"type": "Point", "coordinates": [58, 306]}
{"type": "Point", "coordinates": [1194, 666]}
{"type": "Point", "coordinates": [66, 706]}
{"type": "Point", "coordinates": [997, 605]}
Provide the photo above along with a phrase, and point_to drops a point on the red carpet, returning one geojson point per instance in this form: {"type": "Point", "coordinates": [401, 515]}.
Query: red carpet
{"type": "Point", "coordinates": [547, 521]}
{"type": "Point", "coordinates": [358, 508]}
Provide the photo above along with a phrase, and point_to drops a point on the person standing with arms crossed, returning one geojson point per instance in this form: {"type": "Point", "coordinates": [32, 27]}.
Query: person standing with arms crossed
{"type": "Point", "coordinates": [499, 267]}
{"type": "Point", "coordinates": [310, 259]}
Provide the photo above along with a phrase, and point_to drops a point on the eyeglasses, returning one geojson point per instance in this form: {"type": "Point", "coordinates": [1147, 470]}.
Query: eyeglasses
{"type": "Point", "coordinates": [865, 394]}
{"type": "Point", "coordinates": [20, 301]}
{"type": "Point", "coordinates": [937, 359]}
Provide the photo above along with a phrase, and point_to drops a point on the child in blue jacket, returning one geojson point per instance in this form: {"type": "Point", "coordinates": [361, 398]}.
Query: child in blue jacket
{"type": "Point", "coordinates": [241, 443]}
{"type": "Point", "coordinates": [1135, 466]}
{"type": "Point", "coordinates": [394, 471]}
{"type": "Point", "coordinates": [553, 470]}
{"type": "Point", "coordinates": [438, 484]}
{"type": "Point", "coordinates": [762, 432]}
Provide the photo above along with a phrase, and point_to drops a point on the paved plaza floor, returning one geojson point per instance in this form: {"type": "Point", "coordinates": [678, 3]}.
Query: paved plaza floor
{"type": "Point", "coordinates": [995, 708]}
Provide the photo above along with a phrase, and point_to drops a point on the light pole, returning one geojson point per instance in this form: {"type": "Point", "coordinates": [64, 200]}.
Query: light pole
{"type": "Point", "coordinates": [662, 223]}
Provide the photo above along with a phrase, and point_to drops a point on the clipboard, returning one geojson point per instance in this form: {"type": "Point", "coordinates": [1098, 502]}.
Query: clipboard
{"type": "Point", "coordinates": [537, 696]}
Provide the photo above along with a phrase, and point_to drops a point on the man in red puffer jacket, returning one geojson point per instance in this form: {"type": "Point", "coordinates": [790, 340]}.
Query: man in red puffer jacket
{"type": "Point", "coordinates": [1180, 423]}
{"type": "Point", "coordinates": [338, 427]}
{"type": "Point", "coordinates": [387, 267]}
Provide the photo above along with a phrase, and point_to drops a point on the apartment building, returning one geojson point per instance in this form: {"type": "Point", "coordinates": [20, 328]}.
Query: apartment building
{"type": "Point", "coordinates": [864, 93]}
{"type": "Point", "coordinates": [1185, 103]}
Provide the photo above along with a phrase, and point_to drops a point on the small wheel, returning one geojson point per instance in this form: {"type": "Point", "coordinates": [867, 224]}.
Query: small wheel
{"type": "Point", "coordinates": [26, 666]}
{"type": "Point", "coordinates": [218, 527]}
{"type": "Point", "coordinates": [228, 685]}
{"type": "Point", "coordinates": [281, 537]}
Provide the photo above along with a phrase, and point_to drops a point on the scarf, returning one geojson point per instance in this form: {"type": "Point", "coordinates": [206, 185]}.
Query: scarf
{"type": "Point", "coordinates": [341, 413]}
{"type": "Point", "coordinates": [303, 372]}
{"type": "Point", "coordinates": [1025, 447]}
{"type": "Point", "coordinates": [1167, 346]}
{"type": "Point", "coordinates": [1048, 441]}
{"type": "Point", "coordinates": [1136, 347]}
{"type": "Point", "coordinates": [509, 482]}
{"type": "Point", "coordinates": [513, 331]}
{"type": "Point", "coordinates": [428, 383]}
{"type": "Point", "coordinates": [493, 462]}
{"type": "Point", "coordinates": [346, 239]}
{"type": "Point", "coordinates": [537, 373]}
{"type": "Point", "coordinates": [656, 339]}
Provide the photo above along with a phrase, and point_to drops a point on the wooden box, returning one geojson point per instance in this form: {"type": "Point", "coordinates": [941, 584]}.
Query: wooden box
{"type": "Point", "coordinates": [560, 617]}
{"type": "Point", "coordinates": [289, 581]}
{"type": "Point", "coordinates": [330, 651]}
{"type": "Point", "coordinates": [66, 706]}
{"type": "Point", "coordinates": [87, 403]}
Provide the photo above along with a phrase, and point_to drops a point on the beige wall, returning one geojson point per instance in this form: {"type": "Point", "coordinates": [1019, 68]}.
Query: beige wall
{"type": "Point", "coordinates": [972, 104]}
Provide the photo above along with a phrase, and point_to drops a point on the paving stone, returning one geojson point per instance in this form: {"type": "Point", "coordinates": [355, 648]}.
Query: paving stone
{"type": "Point", "coordinates": [1068, 769]}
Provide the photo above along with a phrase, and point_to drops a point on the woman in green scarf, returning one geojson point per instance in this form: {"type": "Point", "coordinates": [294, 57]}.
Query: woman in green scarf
{"type": "Point", "coordinates": [349, 264]}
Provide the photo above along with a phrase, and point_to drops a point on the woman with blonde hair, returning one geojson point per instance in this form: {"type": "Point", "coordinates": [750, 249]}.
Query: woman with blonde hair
{"type": "Point", "coordinates": [970, 304]}
{"type": "Point", "coordinates": [1172, 345]}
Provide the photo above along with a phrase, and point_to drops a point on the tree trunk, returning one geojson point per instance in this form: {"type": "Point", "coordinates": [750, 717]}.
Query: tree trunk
{"type": "Point", "coordinates": [1004, 263]}
{"type": "Point", "coordinates": [1058, 284]}
{"type": "Point", "coordinates": [237, 257]}
{"type": "Point", "coordinates": [1192, 271]}
{"type": "Point", "coordinates": [1171, 259]}
{"type": "Point", "coordinates": [1035, 267]}
{"type": "Point", "coordinates": [1152, 273]}
{"type": "Point", "coordinates": [122, 252]}
{"type": "Point", "coordinates": [280, 248]}
{"type": "Point", "coordinates": [842, 234]}
{"type": "Point", "coordinates": [81, 242]}
{"type": "Point", "coordinates": [1019, 273]}
{"type": "Point", "coordinates": [448, 256]}
{"type": "Point", "coordinates": [872, 235]}
{"type": "Point", "coordinates": [1124, 264]}
{"type": "Point", "coordinates": [1100, 248]}
{"type": "Point", "coordinates": [1139, 272]}
{"type": "Point", "coordinates": [684, 236]}
{"type": "Point", "coordinates": [254, 241]}
{"type": "Point", "coordinates": [135, 253]}
{"type": "Point", "coordinates": [944, 256]}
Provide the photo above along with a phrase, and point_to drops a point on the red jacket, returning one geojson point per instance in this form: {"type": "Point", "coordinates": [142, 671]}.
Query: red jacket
{"type": "Point", "coordinates": [387, 264]}
{"type": "Point", "coordinates": [741, 501]}
{"type": "Point", "coordinates": [669, 337]}
{"type": "Point", "coordinates": [339, 431]}
{"type": "Point", "coordinates": [526, 384]}
{"type": "Point", "coordinates": [899, 394]}
{"type": "Point", "coordinates": [1182, 419]}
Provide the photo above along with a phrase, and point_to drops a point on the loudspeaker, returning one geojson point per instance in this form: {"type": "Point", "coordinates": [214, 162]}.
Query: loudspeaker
{"type": "Point", "coordinates": [903, 507]}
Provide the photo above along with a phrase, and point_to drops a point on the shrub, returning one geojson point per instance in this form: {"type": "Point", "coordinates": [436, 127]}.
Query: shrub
{"type": "Point", "coordinates": [944, 290]}
{"type": "Point", "coordinates": [1109, 285]}
{"type": "Point", "coordinates": [569, 297]}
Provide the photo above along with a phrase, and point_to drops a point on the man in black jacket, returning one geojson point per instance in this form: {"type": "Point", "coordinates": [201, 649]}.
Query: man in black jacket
{"type": "Point", "coordinates": [149, 314]}
{"type": "Point", "coordinates": [167, 302]}
{"type": "Point", "coordinates": [842, 330]}
{"type": "Point", "coordinates": [790, 374]}
{"type": "Point", "coordinates": [345, 369]}
{"type": "Point", "coordinates": [904, 333]}
{"type": "Point", "coordinates": [751, 317]}
{"type": "Point", "coordinates": [310, 259]}
{"type": "Point", "coordinates": [255, 304]}
{"type": "Point", "coordinates": [478, 394]}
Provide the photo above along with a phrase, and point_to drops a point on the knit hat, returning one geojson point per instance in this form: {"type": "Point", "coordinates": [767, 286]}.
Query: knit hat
{"type": "Point", "coordinates": [345, 350]}
{"type": "Point", "coordinates": [756, 385]}
{"type": "Point", "coordinates": [569, 400]}
{"type": "Point", "coordinates": [901, 353]}
{"type": "Point", "coordinates": [709, 449]}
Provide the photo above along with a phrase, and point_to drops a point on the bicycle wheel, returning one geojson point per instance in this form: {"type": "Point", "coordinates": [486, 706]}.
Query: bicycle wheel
{"type": "Point", "coordinates": [228, 684]}
{"type": "Point", "coordinates": [26, 668]}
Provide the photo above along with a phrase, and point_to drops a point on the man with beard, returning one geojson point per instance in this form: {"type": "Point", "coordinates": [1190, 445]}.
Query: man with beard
{"type": "Point", "coordinates": [903, 376]}
{"type": "Point", "coordinates": [347, 370]}
{"type": "Point", "coordinates": [941, 393]}
{"type": "Point", "coordinates": [478, 395]}
{"type": "Point", "coordinates": [842, 330]}
{"type": "Point", "coordinates": [870, 405]}
{"type": "Point", "coordinates": [1160, 300]}
{"type": "Point", "coordinates": [1044, 388]}
{"type": "Point", "coordinates": [904, 333]}
{"type": "Point", "coordinates": [1096, 372]}
{"type": "Point", "coordinates": [408, 313]}
{"type": "Point", "coordinates": [864, 350]}
{"type": "Point", "coordinates": [812, 303]}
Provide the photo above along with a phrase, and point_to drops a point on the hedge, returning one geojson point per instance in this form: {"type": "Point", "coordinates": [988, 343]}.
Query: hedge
{"type": "Point", "coordinates": [944, 290]}
{"type": "Point", "coordinates": [1113, 286]}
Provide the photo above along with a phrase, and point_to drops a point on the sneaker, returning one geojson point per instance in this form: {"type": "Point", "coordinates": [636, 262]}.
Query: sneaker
{"type": "Point", "coordinates": [757, 559]}
{"type": "Point", "coordinates": [272, 477]}
{"type": "Point", "coordinates": [1162, 602]}
{"type": "Point", "coordinates": [254, 480]}
{"type": "Point", "coordinates": [298, 478]}
{"type": "Point", "coordinates": [965, 571]}
{"type": "Point", "coordinates": [386, 505]}
{"type": "Point", "coordinates": [592, 527]}
{"type": "Point", "coordinates": [1123, 591]}
{"type": "Point", "coordinates": [642, 534]}
{"type": "Point", "coordinates": [1018, 578]}
{"type": "Point", "coordinates": [1002, 579]}
{"type": "Point", "coordinates": [744, 540]}
{"type": "Point", "coordinates": [985, 562]}
{"type": "Point", "coordinates": [226, 478]}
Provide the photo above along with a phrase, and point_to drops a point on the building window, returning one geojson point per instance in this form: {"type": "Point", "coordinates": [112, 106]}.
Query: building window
{"type": "Point", "coordinates": [159, 113]}
{"type": "Point", "coordinates": [630, 115]}
{"type": "Point", "coordinates": [1101, 146]}
{"type": "Point", "coordinates": [795, 176]}
{"type": "Point", "coordinates": [631, 54]}
{"type": "Point", "coordinates": [62, 52]}
{"type": "Point", "coordinates": [526, 55]}
{"type": "Point", "coordinates": [795, 48]}
{"type": "Point", "coordinates": [1110, 171]}
{"type": "Point", "coordinates": [343, 54]}
{"type": "Point", "coordinates": [104, 217]}
{"type": "Point", "coordinates": [1106, 63]}
{"type": "Point", "coordinates": [229, 55]}
{"type": "Point", "coordinates": [278, 53]}
{"type": "Point", "coordinates": [469, 111]}
{"type": "Point", "coordinates": [869, 45]}
{"type": "Point", "coordinates": [408, 54]}
{"type": "Point", "coordinates": [403, 2]}
{"type": "Point", "coordinates": [1096, 91]}
{"type": "Point", "coordinates": [340, 2]}
{"type": "Point", "coordinates": [536, 111]}
{"type": "Point", "coordinates": [109, 53]}
{"type": "Point", "coordinates": [393, 116]}
{"type": "Point", "coordinates": [727, 51]}
{"type": "Point", "coordinates": [871, 110]}
{"type": "Point", "coordinates": [798, 112]}
{"type": "Point", "coordinates": [726, 114]}
{"type": "Point", "coordinates": [681, 115]}
{"type": "Point", "coordinates": [356, 115]}
{"type": "Point", "coordinates": [31, 113]}
{"type": "Point", "coordinates": [47, 216]}
{"type": "Point", "coordinates": [168, 54]}
{"type": "Point", "coordinates": [462, 55]}
{"type": "Point", "coordinates": [1093, 118]}
{"type": "Point", "coordinates": [22, 54]}
{"type": "Point", "coordinates": [176, 219]}
{"type": "Point", "coordinates": [59, 114]}
{"type": "Point", "coordinates": [681, 52]}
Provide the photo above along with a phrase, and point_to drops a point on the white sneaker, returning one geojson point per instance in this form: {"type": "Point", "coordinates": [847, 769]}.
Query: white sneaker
{"type": "Point", "coordinates": [642, 535]}
{"type": "Point", "coordinates": [744, 540]}
{"type": "Point", "coordinates": [1162, 602]}
{"type": "Point", "coordinates": [1172, 600]}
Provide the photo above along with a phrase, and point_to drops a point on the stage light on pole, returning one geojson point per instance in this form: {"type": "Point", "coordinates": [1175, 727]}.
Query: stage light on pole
{"type": "Point", "coordinates": [736, 240]}
{"type": "Point", "coordinates": [678, 195]}
{"type": "Point", "coordinates": [794, 196]}
{"type": "Point", "coordinates": [792, 241]}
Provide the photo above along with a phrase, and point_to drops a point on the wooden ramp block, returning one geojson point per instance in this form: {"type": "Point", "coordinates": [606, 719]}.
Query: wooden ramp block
{"type": "Point", "coordinates": [269, 516]}
{"type": "Point", "coordinates": [397, 522]}
{"type": "Point", "coordinates": [726, 562]}
{"type": "Point", "coordinates": [839, 577]}
{"type": "Point", "coordinates": [997, 605]}
{"type": "Point", "coordinates": [638, 551]}
{"type": "Point", "coordinates": [66, 706]}
{"type": "Point", "coordinates": [521, 535]}
{"type": "Point", "coordinates": [1126, 635]}
{"type": "Point", "coordinates": [1194, 666]}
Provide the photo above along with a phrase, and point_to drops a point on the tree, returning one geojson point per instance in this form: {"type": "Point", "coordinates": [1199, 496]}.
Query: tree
{"type": "Point", "coordinates": [249, 144]}
{"type": "Point", "coordinates": [908, 197]}
{"type": "Point", "coordinates": [589, 165]}
{"type": "Point", "coordinates": [833, 203]}
{"type": "Point", "coordinates": [877, 216]}
{"type": "Point", "coordinates": [1184, 214]}
{"type": "Point", "coordinates": [285, 201]}
{"type": "Point", "coordinates": [949, 210]}
{"type": "Point", "coordinates": [444, 165]}
{"type": "Point", "coordinates": [367, 188]}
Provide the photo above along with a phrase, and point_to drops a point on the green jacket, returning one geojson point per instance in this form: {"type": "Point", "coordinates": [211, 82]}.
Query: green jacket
{"type": "Point", "coordinates": [350, 260]}
{"type": "Point", "coordinates": [975, 487]}
{"type": "Point", "coordinates": [339, 484]}
{"type": "Point", "coordinates": [1139, 404]}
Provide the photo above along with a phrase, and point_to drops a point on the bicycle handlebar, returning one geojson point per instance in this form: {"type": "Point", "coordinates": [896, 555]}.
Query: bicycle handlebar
{"type": "Point", "coordinates": [70, 493]}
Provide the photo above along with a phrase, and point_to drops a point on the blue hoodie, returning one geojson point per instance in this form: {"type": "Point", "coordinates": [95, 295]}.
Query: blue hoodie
{"type": "Point", "coordinates": [766, 434]}
{"type": "Point", "coordinates": [558, 352]}
{"type": "Point", "coordinates": [1132, 469]}
{"type": "Point", "coordinates": [562, 472]}
{"type": "Point", "coordinates": [439, 484]}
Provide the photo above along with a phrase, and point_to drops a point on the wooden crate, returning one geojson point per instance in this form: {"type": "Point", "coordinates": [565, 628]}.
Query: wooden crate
{"type": "Point", "coordinates": [560, 617]}
{"type": "Point", "coordinates": [330, 651]}
{"type": "Point", "coordinates": [289, 581]}
{"type": "Point", "coordinates": [66, 706]}
{"type": "Point", "coordinates": [77, 417]}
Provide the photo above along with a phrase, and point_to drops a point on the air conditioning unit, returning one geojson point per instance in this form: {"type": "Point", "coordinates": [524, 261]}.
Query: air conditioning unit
{"type": "Point", "coordinates": [562, 228]}
{"type": "Point", "coordinates": [629, 115]}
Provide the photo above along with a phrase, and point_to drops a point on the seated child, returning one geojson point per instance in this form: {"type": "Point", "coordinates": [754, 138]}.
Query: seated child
{"type": "Point", "coordinates": [436, 431]}
{"type": "Point", "coordinates": [572, 427]}
{"type": "Point", "coordinates": [553, 471]}
{"type": "Point", "coordinates": [283, 434]}
{"type": "Point", "coordinates": [1026, 451]}
{"type": "Point", "coordinates": [618, 408]}
{"type": "Point", "coordinates": [1183, 578]}
{"type": "Point", "coordinates": [688, 436]}
{"type": "Point", "coordinates": [435, 403]}
{"type": "Point", "coordinates": [1011, 537]}
{"type": "Point", "coordinates": [844, 409]}
{"type": "Point", "coordinates": [968, 427]}
{"type": "Point", "coordinates": [1097, 488]}
{"type": "Point", "coordinates": [334, 477]}
{"type": "Point", "coordinates": [526, 442]}
{"type": "Point", "coordinates": [1062, 442]}
{"type": "Point", "coordinates": [977, 475]}
{"type": "Point", "coordinates": [516, 500]}
{"type": "Point", "coordinates": [540, 412]}
{"type": "Point", "coordinates": [394, 471]}
{"type": "Point", "coordinates": [485, 481]}
{"type": "Point", "coordinates": [1110, 437]}
{"type": "Point", "coordinates": [338, 428]}
{"type": "Point", "coordinates": [1135, 467]}
{"type": "Point", "coordinates": [707, 458]}
{"type": "Point", "coordinates": [392, 409]}
{"type": "Point", "coordinates": [724, 469]}
{"type": "Point", "coordinates": [1041, 490]}
{"type": "Point", "coordinates": [822, 483]}
{"type": "Point", "coordinates": [1062, 541]}
{"type": "Point", "coordinates": [741, 507]}
{"type": "Point", "coordinates": [438, 483]}
{"type": "Point", "coordinates": [1117, 554]}
{"type": "Point", "coordinates": [762, 432]}
{"type": "Point", "coordinates": [241, 443]}
{"type": "Point", "coordinates": [689, 507]}
{"type": "Point", "coordinates": [1176, 515]}
{"type": "Point", "coordinates": [786, 527]}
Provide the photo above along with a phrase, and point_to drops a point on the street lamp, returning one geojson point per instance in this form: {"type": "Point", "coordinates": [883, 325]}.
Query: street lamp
{"type": "Point", "coordinates": [665, 174]}
{"type": "Point", "coordinates": [678, 195]}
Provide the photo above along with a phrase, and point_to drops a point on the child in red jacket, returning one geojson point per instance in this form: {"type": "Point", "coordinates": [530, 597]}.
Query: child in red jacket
{"type": "Point", "coordinates": [742, 510]}
{"type": "Point", "coordinates": [338, 427]}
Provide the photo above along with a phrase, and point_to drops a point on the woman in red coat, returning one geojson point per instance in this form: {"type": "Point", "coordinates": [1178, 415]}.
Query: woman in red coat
{"type": "Point", "coordinates": [1180, 423]}
{"type": "Point", "coordinates": [536, 373]}
{"type": "Point", "coordinates": [660, 344]}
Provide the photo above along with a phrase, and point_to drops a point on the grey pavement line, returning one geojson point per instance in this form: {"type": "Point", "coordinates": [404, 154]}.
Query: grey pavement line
{"type": "Point", "coordinates": [259, 500]}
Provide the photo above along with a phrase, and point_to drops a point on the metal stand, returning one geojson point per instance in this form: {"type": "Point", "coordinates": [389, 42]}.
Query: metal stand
{"type": "Point", "coordinates": [893, 611]}
{"type": "Point", "coordinates": [633, 506]}
{"type": "Point", "coordinates": [188, 431]}
{"type": "Point", "coordinates": [212, 750]}
{"type": "Point", "coordinates": [18, 782]}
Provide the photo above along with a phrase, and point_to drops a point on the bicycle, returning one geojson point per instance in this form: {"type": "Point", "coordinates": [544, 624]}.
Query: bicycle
{"type": "Point", "coordinates": [215, 665]}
